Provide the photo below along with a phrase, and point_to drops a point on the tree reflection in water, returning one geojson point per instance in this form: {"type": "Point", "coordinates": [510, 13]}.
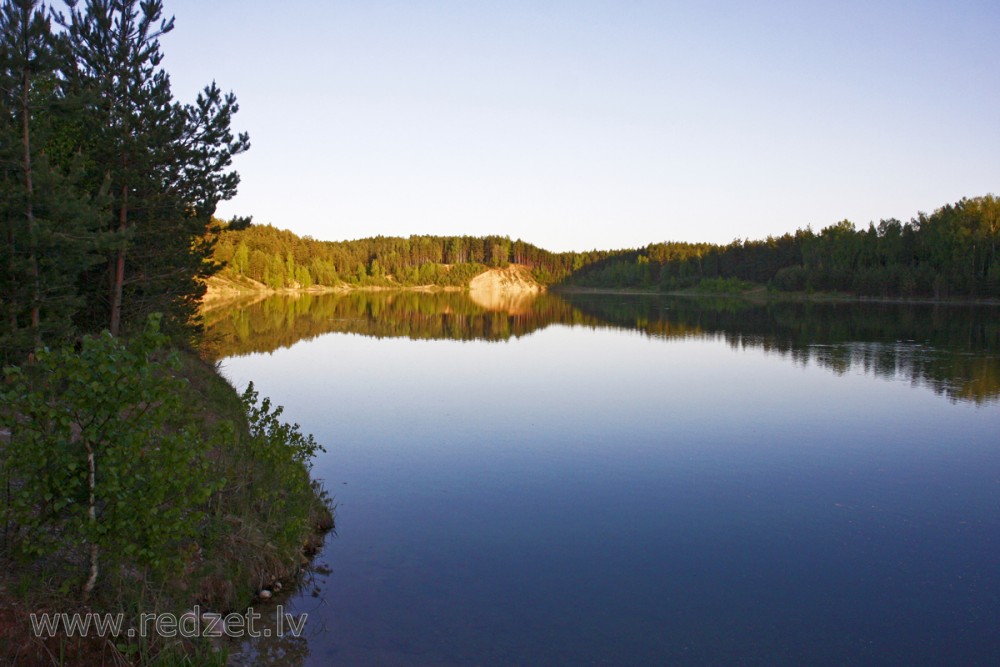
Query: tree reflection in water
{"type": "Point", "coordinates": [952, 349]}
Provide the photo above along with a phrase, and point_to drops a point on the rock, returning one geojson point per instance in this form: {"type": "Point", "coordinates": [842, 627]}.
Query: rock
{"type": "Point", "coordinates": [264, 594]}
{"type": "Point", "coordinates": [215, 623]}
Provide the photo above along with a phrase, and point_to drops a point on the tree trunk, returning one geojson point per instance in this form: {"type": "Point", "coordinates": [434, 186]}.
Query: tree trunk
{"type": "Point", "coordinates": [11, 264]}
{"type": "Point", "coordinates": [88, 587]}
{"type": "Point", "coordinates": [118, 267]}
{"type": "Point", "coordinates": [29, 210]}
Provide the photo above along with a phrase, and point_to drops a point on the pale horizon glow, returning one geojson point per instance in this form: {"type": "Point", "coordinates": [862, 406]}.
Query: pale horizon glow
{"type": "Point", "coordinates": [593, 124]}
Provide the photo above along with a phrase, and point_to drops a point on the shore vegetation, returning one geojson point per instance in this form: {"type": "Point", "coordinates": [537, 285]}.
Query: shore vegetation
{"type": "Point", "coordinates": [949, 253]}
{"type": "Point", "coordinates": [135, 478]}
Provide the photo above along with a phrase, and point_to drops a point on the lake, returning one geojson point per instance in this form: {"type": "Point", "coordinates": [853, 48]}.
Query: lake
{"type": "Point", "coordinates": [638, 480]}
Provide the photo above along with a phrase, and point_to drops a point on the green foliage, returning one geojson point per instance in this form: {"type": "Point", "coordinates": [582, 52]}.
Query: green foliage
{"type": "Point", "coordinates": [107, 184]}
{"type": "Point", "coordinates": [107, 190]}
{"type": "Point", "coordinates": [791, 279]}
{"type": "Point", "coordinates": [266, 513]}
{"type": "Point", "coordinates": [48, 221]}
{"type": "Point", "coordinates": [273, 439]}
{"type": "Point", "coordinates": [102, 453]}
{"type": "Point", "coordinates": [143, 465]}
{"type": "Point", "coordinates": [166, 164]}
{"type": "Point", "coordinates": [278, 458]}
{"type": "Point", "coordinates": [952, 252]}
{"type": "Point", "coordinates": [279, 259]}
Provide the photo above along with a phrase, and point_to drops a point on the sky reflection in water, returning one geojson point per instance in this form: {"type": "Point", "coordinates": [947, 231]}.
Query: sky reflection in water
{"type": "Point", "coordinates": [595, 495]}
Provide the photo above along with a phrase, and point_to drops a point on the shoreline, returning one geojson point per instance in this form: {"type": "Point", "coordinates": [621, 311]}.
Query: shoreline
{"type": "Point", "coordinates": [222, 292]}
{"type": "Point", "coordinates": [761, 294]}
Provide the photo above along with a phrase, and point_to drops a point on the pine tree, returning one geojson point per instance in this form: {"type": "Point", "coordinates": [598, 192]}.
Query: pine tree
{"type": "Point", "coordinates": [167, 164]}
{"type": "Point", "coordinates": [48, 224]}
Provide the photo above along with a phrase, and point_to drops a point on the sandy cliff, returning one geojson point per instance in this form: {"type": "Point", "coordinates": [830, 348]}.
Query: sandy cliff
{"type": "Point", "coordinates": [514, 278]}
{"type": "Point", "coordinates": [511, 290]}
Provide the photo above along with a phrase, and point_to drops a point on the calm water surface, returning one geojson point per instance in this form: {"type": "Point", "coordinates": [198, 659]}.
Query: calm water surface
{"type": "Point", "coordinates": [638, 481]}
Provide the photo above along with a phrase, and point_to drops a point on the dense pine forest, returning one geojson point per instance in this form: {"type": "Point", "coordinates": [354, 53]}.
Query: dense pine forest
{"type": "Point", "coordinates": [951, 252]}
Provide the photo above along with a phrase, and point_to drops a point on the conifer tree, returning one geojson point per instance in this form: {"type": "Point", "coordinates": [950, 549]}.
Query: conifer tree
{"type": "Point", "coordinates": [48, 224]}
{"type": "Point", "coordinates": [167, 164]}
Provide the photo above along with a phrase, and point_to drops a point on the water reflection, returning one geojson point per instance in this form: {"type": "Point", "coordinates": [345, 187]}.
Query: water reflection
{"type": "Point", "coordinates": [952, 349]}
{"type": "Point", "coordinates": [274, 643]}
{"type": "Point", "coordinates": [663, 481]}
{"type": "Point", "coordinates": [273, 650]}
{"type": "Point", "coordinates": [264, 325]}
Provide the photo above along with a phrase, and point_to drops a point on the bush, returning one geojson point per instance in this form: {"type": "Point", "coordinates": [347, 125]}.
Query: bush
{"type": "Point", "coordinates": [790, 279]}
{"type": "Point", "coordinates": [138, 479]}
{"type": "Point", "coordinates": [280, 459]}
{"type": "Point", "coordinates": [104, 468]}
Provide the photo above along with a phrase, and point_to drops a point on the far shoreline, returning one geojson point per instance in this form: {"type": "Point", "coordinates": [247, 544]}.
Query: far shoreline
{"type": "Point", "coordinates": [761, 294]}
{"type": "Point", "coordinates": [221, 292]}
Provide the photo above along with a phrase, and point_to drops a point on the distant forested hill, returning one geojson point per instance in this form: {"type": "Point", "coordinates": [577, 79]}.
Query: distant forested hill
{"type": "Point", "coordinates": [950, 252]}
{"type": "Point", "coordinates": [280, 259]}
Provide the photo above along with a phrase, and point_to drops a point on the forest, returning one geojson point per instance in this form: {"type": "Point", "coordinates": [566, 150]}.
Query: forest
{"type": "Point", "coordinates": [107, 190]}
{"type": "Point", "coordinates": [951, 252]}
{"type": "Point", "coordinates": [280, 259]}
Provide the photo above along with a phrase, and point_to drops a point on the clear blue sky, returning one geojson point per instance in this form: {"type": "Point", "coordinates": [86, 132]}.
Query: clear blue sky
{"type": "Point", "coordinates": [607, 124]}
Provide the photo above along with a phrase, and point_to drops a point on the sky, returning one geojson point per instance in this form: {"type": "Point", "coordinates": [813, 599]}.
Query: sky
{"type": "Point", "coordinates": [597, 124]}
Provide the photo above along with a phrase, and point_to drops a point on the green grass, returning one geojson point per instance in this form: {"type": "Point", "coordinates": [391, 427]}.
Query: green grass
{"type": "Point", "coordinates": [262, 519]}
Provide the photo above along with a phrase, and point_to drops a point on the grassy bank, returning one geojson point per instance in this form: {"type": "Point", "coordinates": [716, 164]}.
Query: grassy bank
{"type": "Point", "coordinates": [137, 480]}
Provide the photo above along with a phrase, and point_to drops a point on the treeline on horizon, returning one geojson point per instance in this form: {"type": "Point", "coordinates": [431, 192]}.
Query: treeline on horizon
{"type": "Point", "coordinates": [281, 259]}
{"type": "Point", "coordinates": [950, 252]}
